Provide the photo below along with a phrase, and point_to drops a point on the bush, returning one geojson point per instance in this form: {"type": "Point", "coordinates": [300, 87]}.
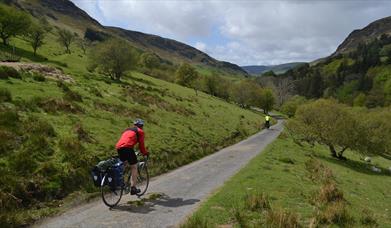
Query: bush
{"type": "Point", "coordinates": [8, 72]}
{"type": "Point", "coordinates": [283, 219]}
{"type": "Point", "coordinates": [368, 219]}
{"type": "Point", "coordinates": [197, 222]}
{"type": "Point", "coordinates": [335, 213]}
{"type": "Point", "coordinates": [257, 202]}
{"type": "Point", "coordinates": [329, 193]}
{"type": "Point", "coordinates": [289, 107]}
{"type": "Point", "coordinates": [318, 171]}
{"type": "Point", "coordinates": [5, 95]}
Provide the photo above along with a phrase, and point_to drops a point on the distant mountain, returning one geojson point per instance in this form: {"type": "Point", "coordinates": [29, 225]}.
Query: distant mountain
{"type": "Point", "coordinates": [65, 14]}
{"type": "Point", "coordinates": [372, 31]}
{"type": "Point", "coordinates": [277, 69]}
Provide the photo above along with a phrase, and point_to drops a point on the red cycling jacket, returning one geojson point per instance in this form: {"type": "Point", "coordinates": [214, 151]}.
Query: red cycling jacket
{"type": "Point", "coordinates": [129, 139]}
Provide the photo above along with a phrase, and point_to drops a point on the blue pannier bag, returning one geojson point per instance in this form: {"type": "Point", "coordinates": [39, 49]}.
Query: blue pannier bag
{"type": "Point", "coordinates": [113, 167]}
{"type": "Point", "coordinates": [115, 177]}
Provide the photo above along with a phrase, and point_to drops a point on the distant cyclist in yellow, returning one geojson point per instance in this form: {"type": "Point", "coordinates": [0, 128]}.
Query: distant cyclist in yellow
{"type": "Point", "coordinates": [267, 121]}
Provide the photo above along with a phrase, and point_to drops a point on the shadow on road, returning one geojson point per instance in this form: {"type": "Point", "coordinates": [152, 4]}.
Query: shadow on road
{"type": "Point", "coordinates": [145, 205]}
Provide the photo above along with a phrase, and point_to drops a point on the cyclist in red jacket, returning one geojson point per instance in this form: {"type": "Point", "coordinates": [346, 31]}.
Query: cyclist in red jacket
{"type": "Point", "coordinates": [129, 138]}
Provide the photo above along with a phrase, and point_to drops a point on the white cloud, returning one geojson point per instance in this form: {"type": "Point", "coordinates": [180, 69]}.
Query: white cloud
{"type": "Point", "coordinates": [200, 46]}
{"type": "Point", "coordinates": [245, 32]}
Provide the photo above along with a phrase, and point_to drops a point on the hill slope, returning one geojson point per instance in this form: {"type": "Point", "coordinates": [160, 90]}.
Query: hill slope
{"type": "Point", "coordinates": [372, 31]}
{"type": "Point", "coordinates": [64, 13]}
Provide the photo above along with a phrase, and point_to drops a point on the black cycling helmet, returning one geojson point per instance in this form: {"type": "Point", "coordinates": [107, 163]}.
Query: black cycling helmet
{"type": "Point", "coordinates": [139, 122]}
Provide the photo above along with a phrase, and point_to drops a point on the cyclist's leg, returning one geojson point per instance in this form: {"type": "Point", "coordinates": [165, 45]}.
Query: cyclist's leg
{"type": "Point", "coordinates": [134, 175]}
{"type": "Point", "coordinates": [133, 166]}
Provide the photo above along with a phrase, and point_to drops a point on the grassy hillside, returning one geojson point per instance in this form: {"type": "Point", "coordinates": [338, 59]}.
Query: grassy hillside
{"type": "Point", "coordinates": [284, 186]}
{"type": "Point", "coordinates": [52, 132]}
{"type": "Point", "coordinates": [65, 14]}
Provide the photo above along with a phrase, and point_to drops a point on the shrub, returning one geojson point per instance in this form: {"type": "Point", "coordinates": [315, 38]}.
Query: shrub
{"type": "Point", "coordinates": [329, 193]}
{"type": "Point", "coordinates": [290, 106]}
{"type": "Point", "coordinates": [5, 95]}
{"type": "Point", "coordinates": [335, 213]}
{"type": "Point", "coordinates": [240, 217]}
{"type": "Point", "coordinates": [318, 171]}
{"type": "Point", "coordinates": [283, 219]}
{"type": "Point", "coordinates": [197, 221]}
{"type": "Point", "coordinates": [257, 202]}
{"type": "Point", "coordinates": [368, 219]}
{"type": "Point", "coordinates": [8, 72]}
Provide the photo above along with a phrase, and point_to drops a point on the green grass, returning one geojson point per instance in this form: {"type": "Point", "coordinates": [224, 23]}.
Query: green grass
{"type": "Point", "coordinates": [280, 174]}
{"type": "Point", "coordinates": [180, 127]}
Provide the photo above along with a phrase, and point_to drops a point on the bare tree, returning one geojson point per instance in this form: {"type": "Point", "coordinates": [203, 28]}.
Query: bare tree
{"type": "Point", "coordinates": [283, 89]}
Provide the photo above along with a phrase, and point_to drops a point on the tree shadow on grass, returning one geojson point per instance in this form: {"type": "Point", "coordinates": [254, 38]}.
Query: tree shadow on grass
{"type": "Point", "coordinates": [28, 55]}
{"type": "Point", "coordinates": [146, 205]}
{"type": "Point", "coordinates": [357, 166]}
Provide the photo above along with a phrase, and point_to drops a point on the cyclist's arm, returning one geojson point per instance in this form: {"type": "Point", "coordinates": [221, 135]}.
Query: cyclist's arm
{"type": "Point", "coordinates": [141, 144]}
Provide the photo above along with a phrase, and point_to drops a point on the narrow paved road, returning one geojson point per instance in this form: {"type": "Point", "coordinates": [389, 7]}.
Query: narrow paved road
{"type": "Point", "coordinates": [182, 190]}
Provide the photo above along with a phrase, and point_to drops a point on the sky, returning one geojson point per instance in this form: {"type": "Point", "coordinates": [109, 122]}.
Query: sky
{"type": "Point", "coordinates": [245, 32]}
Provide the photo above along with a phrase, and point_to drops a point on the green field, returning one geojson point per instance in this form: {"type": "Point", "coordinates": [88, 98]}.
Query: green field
{"type": "Point", "coordinates": [279, 178]}
{"type": "Point", "coordinates": [52, 133]}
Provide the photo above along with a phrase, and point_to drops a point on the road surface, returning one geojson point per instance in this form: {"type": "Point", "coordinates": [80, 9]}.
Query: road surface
{"type": "Point", "coordinates": [181, 190]}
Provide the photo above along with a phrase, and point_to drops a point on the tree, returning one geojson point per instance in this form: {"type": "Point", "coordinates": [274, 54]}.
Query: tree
{"type": "Point", "coordinates": [291, 105]}
{"type": "Point", "coordinates": [149, 60]}
{"type": "Point", "coordinates": [12, 23]}
{"type": "Point", "coordinates": [84, 44]}
{"type": "Point", "coordinates": [328, 123]}
{"type": "Point", "coordinates": [283, 89]}
{"type": "Point", "coordinates": [112, 57]}
{"type": "Point", "coordinates": [266, 99]}
{"type": "Point", "coordinates": [211, 83]}
{"type": "Point", "coordinates": [186, 75]}
{"type": "Point", "coordinates": [35, 36]}
{"type": "Point", "coordinates": [375, 128]}
{"type": "Point", "coordinates": [65, 38]}
{"type": "Point", "coordinates": [245, 93]}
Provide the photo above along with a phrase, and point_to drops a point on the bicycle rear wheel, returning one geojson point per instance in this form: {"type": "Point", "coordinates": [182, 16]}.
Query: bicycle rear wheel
{"type": "Point", "coordinates": [143, 178]}
{"type": "Point", "coordinates": [110, 195]}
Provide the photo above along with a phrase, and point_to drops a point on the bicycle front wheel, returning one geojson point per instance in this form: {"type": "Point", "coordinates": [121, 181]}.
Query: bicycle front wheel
{"type": "Point", "coordinates": [143, 178]}
{"type": "Point", "coordinates": [110, 195]}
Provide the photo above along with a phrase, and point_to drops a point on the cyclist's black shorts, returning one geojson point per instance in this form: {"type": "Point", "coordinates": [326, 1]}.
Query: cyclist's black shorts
{"type": "Point", "coordinates": [127, 154]}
